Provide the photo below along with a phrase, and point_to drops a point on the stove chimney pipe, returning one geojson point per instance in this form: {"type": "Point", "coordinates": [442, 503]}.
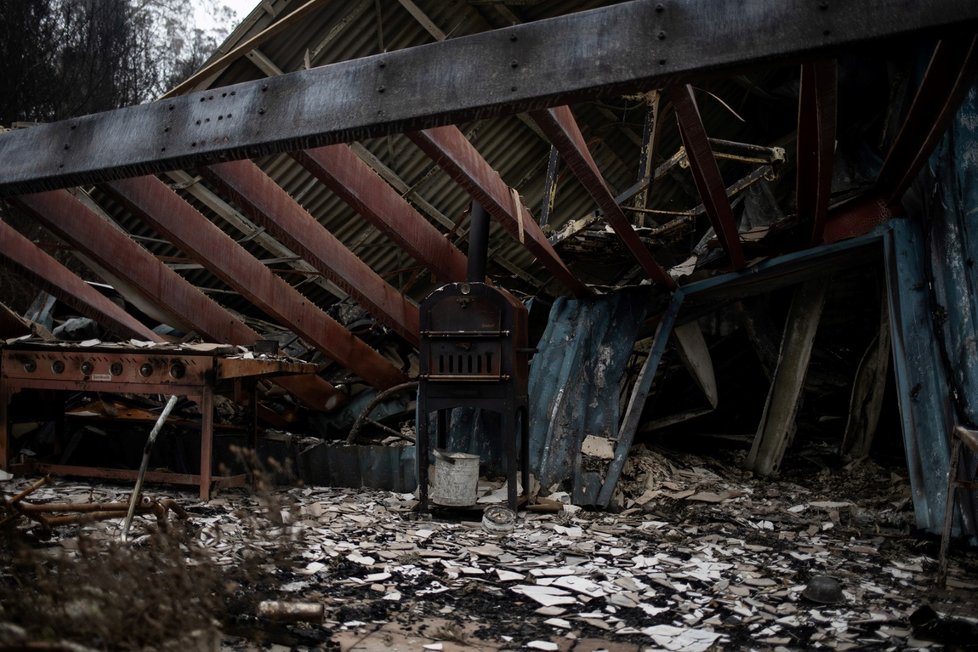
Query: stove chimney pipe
{"type": "Point", "coordinates": [478, 244]}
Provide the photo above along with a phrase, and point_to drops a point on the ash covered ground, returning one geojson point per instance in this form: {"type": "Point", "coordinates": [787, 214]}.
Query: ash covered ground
{"type": "Point", "coordinates": [702, 556]}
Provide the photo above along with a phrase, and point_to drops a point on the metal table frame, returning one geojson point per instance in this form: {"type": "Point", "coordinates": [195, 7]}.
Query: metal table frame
{"type": "Point", "coordinates": [193, 375]}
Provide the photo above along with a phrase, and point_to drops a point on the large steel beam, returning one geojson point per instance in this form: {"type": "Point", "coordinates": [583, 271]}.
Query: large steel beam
{"type": "Point", "coordinates": [274, 209]}
{"type": "Point", "coordinates": [706, 173]}
{"type": "Point", "coordinates": [111, 249]}
{"type": "Point", "coordinates": [166, 212]}
{"type": "Point", "coordinates": [451, 150]}
{"type": "Point", "coordinates": [817, 104]}
{"type": "Point", "coordinates": [37, 266]}
{"type": "Point", "coordinates": [362, 188]}
{"type": "Point", "coordinates": [561, 128]}
{"type": "Point", "coordinates": [605, 51]}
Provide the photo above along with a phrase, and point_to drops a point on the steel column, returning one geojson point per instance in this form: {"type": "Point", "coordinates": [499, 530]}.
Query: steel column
{"type": "Point", "coordinates": [817, 102]}
{"type": "Point", "coordinates": [706, 173]}
{"type": "Point", "coordinates": [561, 128]}
{"type": "Point", "coordinates": [274, 209]}
{"type": "Point", "coordinates": [55, 278]}
{"type": "Point", "coordinates": [450, 149]}
{"type": "Point", "coordinates": [187, 228]}
{"type": "Point", "coordinates": [358, 185]}
{"type": "Point", "coordinates": [112, 249]}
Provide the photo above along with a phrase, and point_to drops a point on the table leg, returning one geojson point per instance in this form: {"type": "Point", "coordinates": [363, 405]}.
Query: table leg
{"type": "Point", "coordinates": [206, 441]}
{"type": "Point", "coordinates": [4, 450]}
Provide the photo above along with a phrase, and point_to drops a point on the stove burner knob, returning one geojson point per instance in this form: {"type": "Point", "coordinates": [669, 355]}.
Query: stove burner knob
{"type": "Point", "coordinates": [30, 366]}
{"type": "Point", "coordinates": [87, 368]}
{"type": "Point", "coordinates": [177, 370]}
{"type": "Point", "coordinates": [116, 368]}
{"type": "Point", "coordinates": [58, 367]}
{"type": "Point", "coordinates": [146, 370]}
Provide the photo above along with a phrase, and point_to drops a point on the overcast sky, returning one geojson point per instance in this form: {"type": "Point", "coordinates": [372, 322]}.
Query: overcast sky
{"type": "Point", "coordinates": [241, 7]}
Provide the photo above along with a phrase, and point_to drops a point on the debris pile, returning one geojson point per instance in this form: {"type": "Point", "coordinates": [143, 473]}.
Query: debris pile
{"type": "Point", "coordinates": [704, 556]}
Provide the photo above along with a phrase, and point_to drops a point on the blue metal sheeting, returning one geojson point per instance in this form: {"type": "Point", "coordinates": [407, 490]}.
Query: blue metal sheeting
{"type": "Point", "coordinates": [922, 390]}
{"type": "Point", "coordinates": [575, 377]}
{"type": "Point", "coordinates": [950, 242]}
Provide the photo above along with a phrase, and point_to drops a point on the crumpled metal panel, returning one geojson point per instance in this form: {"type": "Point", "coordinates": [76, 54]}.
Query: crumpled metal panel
{"type": "Point", "coordinates": [952, 246]}
{"type": "Point", "coordinates": [921, 384]}
{"type": "Point", "coordinates": [575, 377]}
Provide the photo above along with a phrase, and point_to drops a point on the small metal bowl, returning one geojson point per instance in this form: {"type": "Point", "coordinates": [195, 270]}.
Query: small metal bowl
{"type": "Point", "coordinates": [823, 589]}
{"type": "Point", "coordinates": [498, 519]}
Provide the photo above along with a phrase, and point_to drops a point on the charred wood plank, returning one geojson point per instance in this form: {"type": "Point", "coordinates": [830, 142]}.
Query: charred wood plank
{"type": "Point", "coordinates": [778, 420]}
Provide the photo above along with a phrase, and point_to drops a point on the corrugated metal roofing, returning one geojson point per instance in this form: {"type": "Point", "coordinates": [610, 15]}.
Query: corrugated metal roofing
{"type": "Point", "coordinates": [331, 31]}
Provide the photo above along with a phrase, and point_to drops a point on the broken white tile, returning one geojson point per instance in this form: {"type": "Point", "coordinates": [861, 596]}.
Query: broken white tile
{"type": "Point", "coordinates": [487, 550]}
{"type": "Point", "coordinates": [546, 595]}
{"type": "Point", "coordinates": [509, 576]}
{"type": "Point", "coordinates": [558, 622]}
{"type": "Point", "coordinates": [551, 611]}
{"type": "Point", "coordinates": [542, 645]}
{"type": "Point", "coordinates": [433, 646]}
{"type": "Point", "coordinates": [676, 638]}
{"type": "Point", "coordinates": [598, 623]}
{"type": "Point", "coordinates": [600, 447]}
{"type": "Point", "coordinates": [573, 532]}
{"type": "Point", "coordinates": [652, 610]}
{"type": "Point", "coordinates": [312, 568]}
{"type": "Point", "coordinates": [553, 572]}
{"type": "Point", "coordinates": [580, 585]}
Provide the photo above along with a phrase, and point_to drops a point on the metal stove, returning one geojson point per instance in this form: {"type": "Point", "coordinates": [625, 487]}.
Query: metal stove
{"type": "Point", "coordinates": [474, 354]}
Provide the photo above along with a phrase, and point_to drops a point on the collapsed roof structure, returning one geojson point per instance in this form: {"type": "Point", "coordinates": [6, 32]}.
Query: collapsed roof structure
{"type": "Point", "coordinates": [714, 151]}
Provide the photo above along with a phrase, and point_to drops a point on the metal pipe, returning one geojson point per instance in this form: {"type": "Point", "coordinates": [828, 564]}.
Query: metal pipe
{"type": "Point", "coordinates": [478, 244]}
{"type": "Point", "coordinates": [147, 449]}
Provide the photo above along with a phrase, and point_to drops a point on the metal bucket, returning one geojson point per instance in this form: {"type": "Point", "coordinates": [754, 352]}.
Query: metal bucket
{"type": "Point", "coordinates": [456, 479]}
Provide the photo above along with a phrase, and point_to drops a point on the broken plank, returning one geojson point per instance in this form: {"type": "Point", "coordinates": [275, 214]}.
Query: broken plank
{"type": "Point", "coordinates": [778, 420]}
{"type": "Point", "coordinates": [866, 401]}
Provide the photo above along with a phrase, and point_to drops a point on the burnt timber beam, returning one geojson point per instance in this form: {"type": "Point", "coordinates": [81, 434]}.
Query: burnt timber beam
{"type": "Point", "coordinates": [53, 277]}
{"type": "Point", "coordinates": [450, 149]}
{"type": "Point", "coordinates": [357, 184]}
{"type": "Point", "coordinates": [71, 220]}
{"type": "Point", "coordinates": [817, 104]}
{"type": "Point", "coordinates": [166, 212]}
{"type": "Point", "coordinates": [706, 173]}
{"type": "Point", "coordinates": [536, 65]}
{"type": "Point", "coordinates": [271, 207]}
{"type": "Point", "coordinates": [561, 129]}
{"type": "Point", "coordinates": [777, 426]}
